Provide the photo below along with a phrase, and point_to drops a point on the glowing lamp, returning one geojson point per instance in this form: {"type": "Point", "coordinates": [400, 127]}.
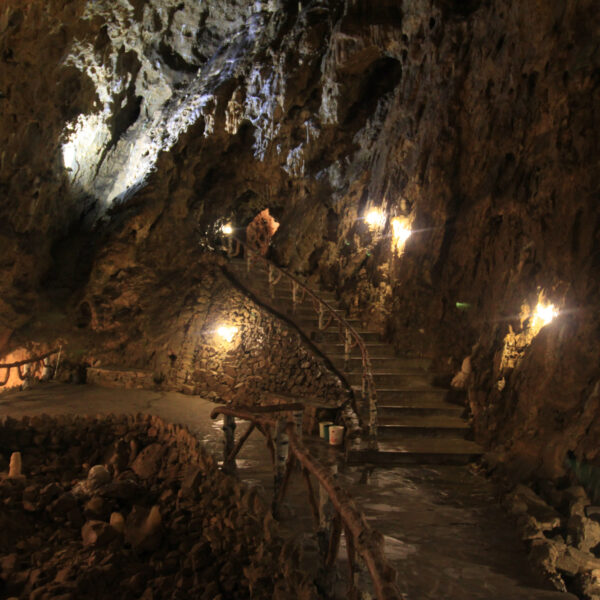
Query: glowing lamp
{"type": "Point", "coordinates": [375, 218]}
{"type": "Point", "coordinates": [544, 314]}
{"type": "Point", "coordinates": [227, 332]}
{"type": "Point", "coordinates": [400, 233]}
{"type": "Point", "coordinates": [227, 229]}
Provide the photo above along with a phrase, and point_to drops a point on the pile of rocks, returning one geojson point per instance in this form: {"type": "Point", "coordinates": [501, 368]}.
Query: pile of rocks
{"type": "Point", "coordinates": [562, 529]}
{"type": "Point", "coordinates": [135, 505]}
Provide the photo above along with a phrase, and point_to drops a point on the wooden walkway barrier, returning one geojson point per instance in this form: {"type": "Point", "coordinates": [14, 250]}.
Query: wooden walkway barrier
{"type": "Point", "coordinates": [334, 511]}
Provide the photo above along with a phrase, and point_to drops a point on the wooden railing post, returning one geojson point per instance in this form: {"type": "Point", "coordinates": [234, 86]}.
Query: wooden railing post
{"type": "Point", "coordinates": [347, 348]}
{"type": "Point", "coordinates": [321, 316]}
{"type": "Point", "coordinates": [298, 420]}
{"type": "Point", "coordinates": [281, 456]}
{"type": "Point", "coordinates": [271, 281]}
{"type": "Point", "coordinates": [326, 514]}
{"type": "Point", "coordinates": [294, 294]}
{"type": "Point", "coordinates": [229, 442]}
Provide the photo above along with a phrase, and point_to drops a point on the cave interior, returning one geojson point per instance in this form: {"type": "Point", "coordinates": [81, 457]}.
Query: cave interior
{"type": "Point", "coordinates": [388, 211]}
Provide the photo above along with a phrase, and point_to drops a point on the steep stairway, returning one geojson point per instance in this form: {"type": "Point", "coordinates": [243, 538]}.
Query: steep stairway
{"type": "Point", "coordinates": [415, 422]}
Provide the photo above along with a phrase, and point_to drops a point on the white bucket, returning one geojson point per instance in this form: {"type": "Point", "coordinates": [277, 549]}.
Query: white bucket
{"type": "Point", "coordinates": [324, 429]}
{"type": "Point", "coordinates": [336, 435]}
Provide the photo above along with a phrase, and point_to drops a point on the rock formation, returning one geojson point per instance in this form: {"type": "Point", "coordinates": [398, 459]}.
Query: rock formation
{"type": "Point", "coordinates": [167, 524]}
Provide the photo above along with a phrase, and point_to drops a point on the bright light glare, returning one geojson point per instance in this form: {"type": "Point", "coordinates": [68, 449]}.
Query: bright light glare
{"type": "Point", "coordinates": [227, 229]}
{"type": "Point", "coordinates": [85, 138]}
{"type": "Point", "coordinates": [400, 233]}
{"type": "Point", "coordinates": [227, 332]}
{"type": "Point", "coordinates": [375, 219]}
{"type": "Point", "coordinates": [544, 314]}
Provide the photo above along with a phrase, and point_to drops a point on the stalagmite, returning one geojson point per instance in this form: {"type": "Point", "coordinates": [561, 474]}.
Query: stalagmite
{"type": "Point", "coordinates": [14, 469]}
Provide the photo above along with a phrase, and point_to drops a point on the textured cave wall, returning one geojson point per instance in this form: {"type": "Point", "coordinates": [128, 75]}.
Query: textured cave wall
{"type": "Point", "coordinates": [474, 120]}
{"type": "Point", "coordinates": [161, 322]}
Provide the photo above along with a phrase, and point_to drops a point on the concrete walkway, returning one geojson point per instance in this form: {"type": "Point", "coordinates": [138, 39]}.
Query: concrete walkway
{"type": "Point", "coordinates": [445, 533]}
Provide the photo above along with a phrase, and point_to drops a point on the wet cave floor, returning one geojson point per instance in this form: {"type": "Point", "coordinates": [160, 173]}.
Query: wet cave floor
{"type": "Point", "coordinates": [445, 533]}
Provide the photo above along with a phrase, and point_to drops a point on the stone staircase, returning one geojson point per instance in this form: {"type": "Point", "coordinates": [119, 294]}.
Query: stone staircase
{"type": "Point", "coordinates": [415, 422]}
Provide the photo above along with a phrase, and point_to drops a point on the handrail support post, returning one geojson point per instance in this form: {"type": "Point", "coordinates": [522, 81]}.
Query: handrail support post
{"type": "Point", "coordinates": [294, 296]}
{"type": "Point", "coordinates": [228, 442]}
{"type": "Point", "coordinates": [281, 455]}
{"type": "Point", "coordinates": [347, 348]}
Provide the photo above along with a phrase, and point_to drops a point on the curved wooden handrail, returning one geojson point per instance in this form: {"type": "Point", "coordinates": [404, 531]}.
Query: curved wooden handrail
{"type": "Point", "coordinates": [360, 536]}
{"type": "Point", "coordinates": [369, 391]}
{"type": "Point", "coordinates": [28, 360]}
{"type": "Point", "coordinates": [366, 541]}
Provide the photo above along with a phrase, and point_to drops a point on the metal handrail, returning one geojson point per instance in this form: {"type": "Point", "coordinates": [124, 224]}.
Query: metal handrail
{"type": "Point", "coordinates": [351, 338]}
{"type": "Point", "coordinates": [361, 538]}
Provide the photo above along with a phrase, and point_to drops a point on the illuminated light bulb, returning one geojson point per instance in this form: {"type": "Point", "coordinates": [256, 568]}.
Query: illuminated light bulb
{"type": "Point", "coordinates": [227, 332]}
{"type": "Point", "coordinates": [400, 233]}
{"type": "Point", "coordinates": [227, 229]}
{"type": "Point", "coordinates": [375, 219]}
{"type": "Point", "coordinates": [544, 314]}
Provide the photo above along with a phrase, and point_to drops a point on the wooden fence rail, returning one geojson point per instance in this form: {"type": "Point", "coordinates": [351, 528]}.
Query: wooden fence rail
{"type": "Point", "coordinates": [29, 361]}
{"type": "Point", "coordinates": [334, 511]}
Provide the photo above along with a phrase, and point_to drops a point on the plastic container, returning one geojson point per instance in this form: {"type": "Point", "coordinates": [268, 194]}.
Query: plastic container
{"type": "Point", "coordinates": [336, 435]}
{"type": "Point", "coordinates": [324, 429]}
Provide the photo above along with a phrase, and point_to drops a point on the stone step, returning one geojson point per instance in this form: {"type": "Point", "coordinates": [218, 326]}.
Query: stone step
{"type": "Point", "coordinates": [398, 379]}
{"type": "Point", "coordinates": [402, 396]}
{"type": "Point", "coordinates": [378, 363]}
{"type": "Point", "coordinates": [419, 409]}
{"type": "Point", "coordinates": [308, 312]}
{"type": "Point", "coordinates": [332, 335]}
{"type": "Point", "coordinates": [421, 426]}
{"type": "Point", "coordinates": [418, 450]}
{"type": "Point", "coordinates": [260, 279]}
{"type": "Point", "coordinates": [376, 350]}
{"type": "Point", "coordinates": [312, 324]}
{"type": "Point", "coordinates": [284, 294]}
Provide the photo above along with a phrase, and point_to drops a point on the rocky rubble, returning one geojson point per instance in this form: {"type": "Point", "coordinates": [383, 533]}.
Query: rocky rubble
{"type": "Point", "coordinates": [562, 530]}
{"type": "Point", "coordinates": [135, 505]}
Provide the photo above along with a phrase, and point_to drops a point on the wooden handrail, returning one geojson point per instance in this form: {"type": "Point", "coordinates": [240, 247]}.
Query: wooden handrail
{"type": "Point", "coordinates": [369, 391]}
{"type": "Point", "coordinates": [29, 360]}
{"type": "Point", "coordinates": [361, 538]}
{"type": "Point", "coordinates": [365, 540]}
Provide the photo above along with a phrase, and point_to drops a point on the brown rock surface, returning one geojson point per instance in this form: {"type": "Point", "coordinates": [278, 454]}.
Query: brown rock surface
{"type": "Point", "coordinates": [206, 538]}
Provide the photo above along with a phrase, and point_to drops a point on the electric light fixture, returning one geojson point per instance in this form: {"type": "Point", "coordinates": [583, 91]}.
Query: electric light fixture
{"type": "Point", "coordinates": [400, 233]}
{"type": "Point", "coordinates": [227, 332]}
{"type": "Point", "coordinates": [375, 219]}
{"type": "Point", "coordinates": [544, 314]}
{"type": "Point", "coordinates": [227, 229]}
